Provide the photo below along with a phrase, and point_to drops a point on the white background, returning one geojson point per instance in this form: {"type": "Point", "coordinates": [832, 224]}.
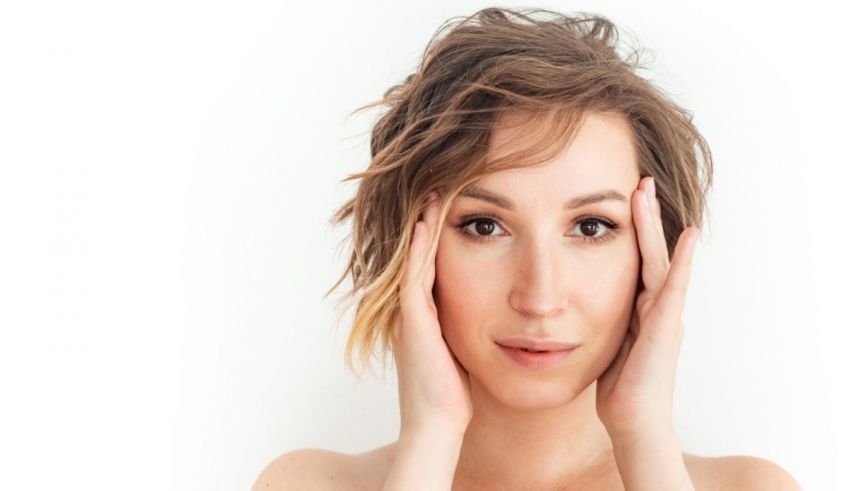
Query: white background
{"type": "Point", "coordinates": [169, 167]}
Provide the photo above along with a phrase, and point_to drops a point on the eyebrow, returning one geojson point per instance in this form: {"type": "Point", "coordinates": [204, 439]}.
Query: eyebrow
{"type": "Point", "coordinates": [579, 201]}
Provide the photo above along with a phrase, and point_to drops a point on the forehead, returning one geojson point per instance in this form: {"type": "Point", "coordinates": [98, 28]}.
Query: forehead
{"type": "Point", "coordinates": [601, 155]}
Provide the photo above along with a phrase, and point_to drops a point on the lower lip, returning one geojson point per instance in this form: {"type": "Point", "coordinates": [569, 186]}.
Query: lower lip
{"type": "Point", "coordinates": [543, 360]}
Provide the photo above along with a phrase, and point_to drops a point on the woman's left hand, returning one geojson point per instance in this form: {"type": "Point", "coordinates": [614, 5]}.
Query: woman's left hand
{"type": "Point", "coordinates": [634, 397]}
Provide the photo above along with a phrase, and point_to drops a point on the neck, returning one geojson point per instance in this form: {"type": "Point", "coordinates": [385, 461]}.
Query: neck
{"type": "Point", "coordinates": [551, 448]}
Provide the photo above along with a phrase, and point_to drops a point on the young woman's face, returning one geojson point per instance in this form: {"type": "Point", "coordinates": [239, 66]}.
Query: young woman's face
{"type": "Point", "coordinates": [542, 264]}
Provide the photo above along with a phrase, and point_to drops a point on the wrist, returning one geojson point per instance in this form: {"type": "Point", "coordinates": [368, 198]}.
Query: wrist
{"type": "Point", "coordinates": [432, 436]}
{"type": "Point", "coordinates": [651, 461]}
{"type": "Point", "coordinates": [433, 429]}
{"type": "Point", "coordinates": [643, 437]}
{"type": "Point", "coordinates": [424, 460]}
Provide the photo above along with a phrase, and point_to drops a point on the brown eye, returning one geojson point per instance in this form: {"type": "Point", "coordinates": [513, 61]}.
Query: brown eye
{"type": "Point", "coordinates": [589, 227]}
{"type": "Point", "coordinates": [479, 228]}
{"type": "Point", "coordinates": [483, 227]}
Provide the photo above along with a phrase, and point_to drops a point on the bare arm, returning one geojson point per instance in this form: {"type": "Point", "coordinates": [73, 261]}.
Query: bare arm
{"type": "Point", "coordinates": [652, 463]}
{"type": "Point", "coordinates": [434, 399]}
{"type": "Point", "coordinates": [424, 461]}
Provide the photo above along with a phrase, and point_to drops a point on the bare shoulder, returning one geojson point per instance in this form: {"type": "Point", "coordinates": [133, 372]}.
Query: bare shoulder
{"type": "Point", "coordinates": [306, 468]}
{"type": "Point", "coordinates": [738, 472]}
{"type": "Point", "coordinates": [325, 470]}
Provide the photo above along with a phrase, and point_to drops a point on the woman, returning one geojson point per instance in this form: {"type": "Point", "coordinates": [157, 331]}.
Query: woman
{"type": "Point", "coordinates": [512, 247]}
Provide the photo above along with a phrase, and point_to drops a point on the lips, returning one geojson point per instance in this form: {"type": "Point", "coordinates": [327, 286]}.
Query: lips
{"type": "Point", "coordinates": [532, 344]}
{"type": "Point", "coordinates": [540, 360]}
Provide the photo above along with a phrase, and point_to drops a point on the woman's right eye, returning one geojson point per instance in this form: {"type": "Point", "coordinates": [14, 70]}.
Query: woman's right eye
{"type": "Point", "coordinates": [478, 228]}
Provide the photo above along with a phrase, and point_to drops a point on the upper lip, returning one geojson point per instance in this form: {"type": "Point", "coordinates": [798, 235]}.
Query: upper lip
{"type": "Point", "coordinates": [536, 344]}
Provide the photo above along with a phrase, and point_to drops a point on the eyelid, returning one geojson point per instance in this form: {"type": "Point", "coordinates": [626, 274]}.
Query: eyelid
{"type": "Point", "coordinates": [466, 220]}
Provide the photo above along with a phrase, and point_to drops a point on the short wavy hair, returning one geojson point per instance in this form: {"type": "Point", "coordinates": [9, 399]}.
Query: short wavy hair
{"type": "Point", "coordinates": [435, 134]}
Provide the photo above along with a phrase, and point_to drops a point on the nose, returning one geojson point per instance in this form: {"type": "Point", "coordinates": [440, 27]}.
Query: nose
{"type": "Point", "coordinates": [539, 287]}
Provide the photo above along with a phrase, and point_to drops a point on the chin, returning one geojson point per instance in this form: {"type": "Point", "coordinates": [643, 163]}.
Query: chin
{"type": "Point", "coordinates": [526, 393]}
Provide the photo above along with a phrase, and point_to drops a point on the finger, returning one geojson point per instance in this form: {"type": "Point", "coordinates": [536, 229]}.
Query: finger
{"type": "Point", "coordinates": [652, 248]}
{"type": "Point", "coordinates": [655, 204]}
{"type": "Point", "coordinates": [418, 276]}
{"type": "Point", "coordinates": [672, 297]}
{"type": "Point", "coordinates": [418, 245]}
{"type": "Point", "coordinates": [414, 257]}
{"type": "Point", "coordinates": [413, 304]}
{"type": "Point", "coordinates": [429, 216]}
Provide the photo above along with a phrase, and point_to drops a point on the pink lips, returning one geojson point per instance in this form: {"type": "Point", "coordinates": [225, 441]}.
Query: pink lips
{"type": "Point", "coordinates": [551, 352]}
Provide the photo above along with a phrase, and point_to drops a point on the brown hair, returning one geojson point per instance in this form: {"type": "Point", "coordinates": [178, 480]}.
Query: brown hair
{"type": "Point", "coordinates": [435, 135]}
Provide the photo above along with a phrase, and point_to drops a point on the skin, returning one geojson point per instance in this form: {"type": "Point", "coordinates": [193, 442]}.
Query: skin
{"type": "Point", "coordinates": [541, 276]}
{"type": "Point", "coordinates": [536, 276]}
{"type": "Point", "coordinates": [473, 419]}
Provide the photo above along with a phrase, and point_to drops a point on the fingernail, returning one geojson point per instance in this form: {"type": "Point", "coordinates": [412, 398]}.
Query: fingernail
{"type": "Point", "coordinates": [651, 187]}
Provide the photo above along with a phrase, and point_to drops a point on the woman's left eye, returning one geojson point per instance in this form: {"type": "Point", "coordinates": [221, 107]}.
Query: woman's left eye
{"type": "Point", "coordinates": [595, 229]}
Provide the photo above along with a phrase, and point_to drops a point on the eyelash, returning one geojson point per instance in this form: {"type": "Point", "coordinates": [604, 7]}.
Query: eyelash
{"type": "Point", "coordinates": [468, 220]}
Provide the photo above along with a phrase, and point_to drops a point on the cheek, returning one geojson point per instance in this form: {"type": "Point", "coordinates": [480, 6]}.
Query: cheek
{"type": "Point", "coordinates": [466, 287]}
{"type": "Point", "coordinates": [615, 271]}
{"type": "Point", "coordinates": [611, 289]}
{"type": "Point", "coordinates": [468, 279]}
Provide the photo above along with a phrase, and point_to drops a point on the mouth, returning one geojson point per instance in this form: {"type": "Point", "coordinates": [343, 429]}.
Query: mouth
{"type": "Point", "coordinates": [535, 344]}
{"type": "Point", "coordinates": [537, 359]}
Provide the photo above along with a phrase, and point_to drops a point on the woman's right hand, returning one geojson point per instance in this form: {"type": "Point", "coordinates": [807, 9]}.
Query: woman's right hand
{"type": "Point", "coordinates": [433, 387]}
